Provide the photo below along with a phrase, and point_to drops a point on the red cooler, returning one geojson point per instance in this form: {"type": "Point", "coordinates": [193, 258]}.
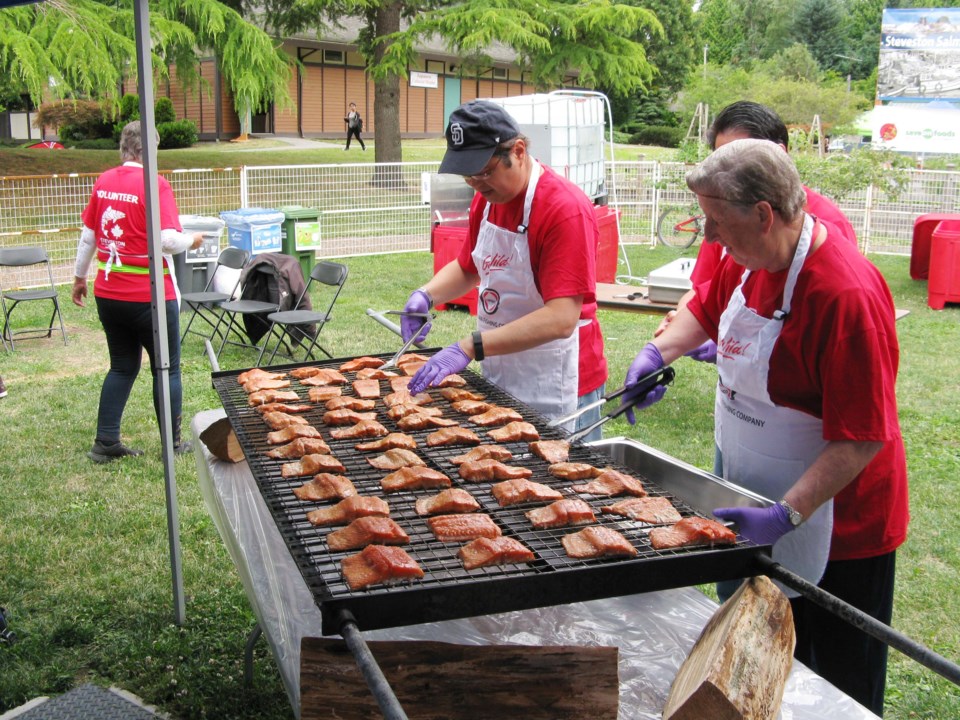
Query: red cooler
{"type": "Point", "coordinates": [446, 242]}
{"type": "Point", "coordinates": [609, 248]}
{"type": "Point", "coordinates": [943, 285]}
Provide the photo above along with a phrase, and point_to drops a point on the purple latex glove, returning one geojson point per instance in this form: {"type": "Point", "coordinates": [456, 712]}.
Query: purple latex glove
{"type": "Point", "coordinates": [764, 526]}
{"type": "Point", "coordinates": [647, 361]}
{"type": "Point", "coordinates": [448, 361]}
{"type": "Point", "coordinates": [704, 353]}
{"type": "Point", "coordinates": [418, 302]}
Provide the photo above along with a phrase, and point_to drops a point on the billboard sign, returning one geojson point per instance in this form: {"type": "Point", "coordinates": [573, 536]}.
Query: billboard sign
{"type": "Point", "coordinates": [919, 55]}
{"type": "Point", "coordinates": [931, 128]}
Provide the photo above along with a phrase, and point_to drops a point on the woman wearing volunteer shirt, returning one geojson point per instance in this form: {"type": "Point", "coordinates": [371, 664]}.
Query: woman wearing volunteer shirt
{"type": "Point", "coordinates": [115, 230]}
{"type": "Point", "coordinates": [806, 410]}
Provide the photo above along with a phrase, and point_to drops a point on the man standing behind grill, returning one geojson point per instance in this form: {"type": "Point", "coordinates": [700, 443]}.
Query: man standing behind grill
{"type": "Point", "coordinates": [532, 247]}
{"type": "Point", "coordinates": [115, 230]}
{"type": "Point", "coordinates": [806, 409]}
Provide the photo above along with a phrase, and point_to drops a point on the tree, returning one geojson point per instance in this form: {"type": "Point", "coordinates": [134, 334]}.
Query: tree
{"type": "Point", "coordinates": [551, 38]}
{"type": "Point", "coordinates": [85, 48]}
{"type": "Point", "coordinates": [819, 27]}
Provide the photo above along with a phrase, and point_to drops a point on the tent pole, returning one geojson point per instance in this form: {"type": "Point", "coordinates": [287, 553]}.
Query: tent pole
{"type": "Point", "coordinates": [157, 302]}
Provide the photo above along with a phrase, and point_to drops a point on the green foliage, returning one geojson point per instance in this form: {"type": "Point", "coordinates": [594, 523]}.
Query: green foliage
{"type": "Point", "coordinates": [101, 143]}
{"type": "Point", "coordinates": [163, 111]}
{"type": "Point", "coordinates": [129, 108]}
{"type": "Point", "coordinates": [659, 135]}
{"type": "Point", "coordinates": [177, 134]}
{"type": "Point", "coordinates": [839, 175]}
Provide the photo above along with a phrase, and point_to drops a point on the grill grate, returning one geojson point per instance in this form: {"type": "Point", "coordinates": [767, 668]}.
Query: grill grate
{"type": "Point", "coordinates": [447, 590]}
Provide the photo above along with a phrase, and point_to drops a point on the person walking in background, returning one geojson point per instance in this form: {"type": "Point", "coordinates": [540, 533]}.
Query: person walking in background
{"type": "Point", "coordinates": [354, 126]}
{"type": "Point", "coordinates": [115, 230]}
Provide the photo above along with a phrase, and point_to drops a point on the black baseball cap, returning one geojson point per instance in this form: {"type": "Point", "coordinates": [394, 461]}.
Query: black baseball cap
{"type": "Point", "coordinates": [475, 130]}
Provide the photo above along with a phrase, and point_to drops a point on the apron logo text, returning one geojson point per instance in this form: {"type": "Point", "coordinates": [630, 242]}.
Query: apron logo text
{"type": "Point", "coordinates": [731, 347]}
{"type": "Point", "coordinates": [742, 416]}
{"type": "Point", "coordinates": [495, 262]}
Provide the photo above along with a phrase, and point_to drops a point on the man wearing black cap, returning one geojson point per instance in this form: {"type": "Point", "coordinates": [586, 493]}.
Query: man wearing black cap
{"type": "Point", "coordinates": [531, 247]}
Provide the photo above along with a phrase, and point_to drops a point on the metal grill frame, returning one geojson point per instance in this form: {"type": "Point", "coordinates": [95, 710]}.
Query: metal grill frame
{"type": "Point", "coordinates": [447, 591]}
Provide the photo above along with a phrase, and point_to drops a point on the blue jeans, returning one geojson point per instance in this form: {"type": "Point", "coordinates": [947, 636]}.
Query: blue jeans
{"type": "Point", "coordinates": [588, 418]}
{"type": "Point", "coordinates": [129, 330]}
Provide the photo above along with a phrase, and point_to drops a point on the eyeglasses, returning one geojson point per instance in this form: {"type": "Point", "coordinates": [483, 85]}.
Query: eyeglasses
{"type": "Point", "coordinates": [480, 177]}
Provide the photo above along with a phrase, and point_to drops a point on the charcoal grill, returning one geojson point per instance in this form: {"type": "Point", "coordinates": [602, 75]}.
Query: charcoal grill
{"type": "Point", "coordinates": [447, 591]}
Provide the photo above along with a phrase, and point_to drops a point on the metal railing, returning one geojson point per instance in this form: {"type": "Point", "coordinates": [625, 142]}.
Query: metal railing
{"type": "Point", "coordinates": [372, 209]}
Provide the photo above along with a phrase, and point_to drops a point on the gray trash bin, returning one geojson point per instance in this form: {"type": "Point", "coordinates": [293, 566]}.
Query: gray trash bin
{"type": "Point", "coordinates": [194, 267]}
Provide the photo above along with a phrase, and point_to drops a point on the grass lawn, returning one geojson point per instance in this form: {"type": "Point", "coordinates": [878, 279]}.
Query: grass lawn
{"type": "Point", "coordinates": [86, 580]}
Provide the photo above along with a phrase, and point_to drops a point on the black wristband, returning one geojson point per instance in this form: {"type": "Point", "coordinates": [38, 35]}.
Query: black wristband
{"type": "Point", "coordinates": [477, 346]}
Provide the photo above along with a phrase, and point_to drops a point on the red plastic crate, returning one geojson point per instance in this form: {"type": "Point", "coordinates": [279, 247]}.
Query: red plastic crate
{"type": "Point", "coordinates": [923, 228]}
{"type": "Point", "coordinates": [446, 243]}
{"type": "Point", "coordinates": [608, 250]}
{"type": "Point", "coordinates": [943, 285]}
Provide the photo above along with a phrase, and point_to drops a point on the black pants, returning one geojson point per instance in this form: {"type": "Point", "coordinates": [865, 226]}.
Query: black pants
{"type": "Point", "coordinates": [355, 132]}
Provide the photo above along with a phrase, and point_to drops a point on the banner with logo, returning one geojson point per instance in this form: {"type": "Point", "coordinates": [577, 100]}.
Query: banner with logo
{"type": "Point", "coordinates": [919, 55]}
{"type": "Point", "coordinates": [910, 127]}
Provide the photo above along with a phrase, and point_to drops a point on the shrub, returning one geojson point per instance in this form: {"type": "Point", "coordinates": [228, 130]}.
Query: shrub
{"type": "Point", "coordinates": [129, 109]}
{"type": "Point", "coordinates": [179, 134]}
{"type": "Point", "coordinates": [94, 144]}
{"type": "Point", "coordinates": [163, 111]}
{"type": "Point", "coordinates": [80, 118]}
{"type": "Point", "coordinates": [660, 135]}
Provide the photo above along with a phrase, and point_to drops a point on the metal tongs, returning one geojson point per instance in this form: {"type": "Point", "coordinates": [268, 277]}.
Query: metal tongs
{"type": "Point", "coordinates": [396, 328]}
{"type": "Point", "coordinates": [663, 376]}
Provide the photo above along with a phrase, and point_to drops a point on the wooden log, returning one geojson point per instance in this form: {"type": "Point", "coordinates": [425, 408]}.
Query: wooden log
{"type": "Point", "coordinates": [434, 681]}
{"type": "Point", "coordinates": [222, 441]}
{"type": "Point", "coordinates": [739, 665]}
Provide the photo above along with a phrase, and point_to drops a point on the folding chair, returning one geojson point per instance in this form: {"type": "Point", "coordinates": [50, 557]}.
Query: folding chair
{"type": "Point", "coordinates": [296, 323]}
{"type": "Point", "coordinates": [24, 257]}
{"type": "Point", "coordinates": [205, 304]}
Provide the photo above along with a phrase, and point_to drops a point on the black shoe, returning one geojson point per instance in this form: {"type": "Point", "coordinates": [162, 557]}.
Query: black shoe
{"type": "Point", "coordinates": [183, 448]}
{"type": "Point", "coordinates": [108, 452]}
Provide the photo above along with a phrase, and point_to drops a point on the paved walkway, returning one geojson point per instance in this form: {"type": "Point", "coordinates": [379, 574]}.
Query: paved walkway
{"type": "Point", "coordinates": [297, 143]}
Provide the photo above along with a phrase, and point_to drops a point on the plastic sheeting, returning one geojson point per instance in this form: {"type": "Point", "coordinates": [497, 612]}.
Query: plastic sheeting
{"type": "Point", "coordinates": [653, 631]}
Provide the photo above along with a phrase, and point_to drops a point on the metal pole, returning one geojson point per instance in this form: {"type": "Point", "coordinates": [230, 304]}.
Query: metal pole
{"type": "Point", "coordinates": [859, 619]}
{"type": "Point", "coordinates": [705, 48]}
{"type": "Point", "coordinates": [379, 687]}
{"type": "Point", "coordinates": [148, 132]}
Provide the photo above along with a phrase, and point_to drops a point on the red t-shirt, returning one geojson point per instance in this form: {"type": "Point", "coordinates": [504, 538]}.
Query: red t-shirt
{"type": "Point", "coordinates": [836, 359]}
{"type": "Point", "coordinates": [708, 257]}
{"type": "Point", "coordinates": [564, 240]}
{"type": "Point", "coordinates": [117, 214]}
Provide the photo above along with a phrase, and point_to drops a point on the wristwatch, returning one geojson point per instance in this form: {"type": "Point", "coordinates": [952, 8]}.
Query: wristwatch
{"type": "Point", "coordinates": [795, 517]}
{"type": "Point", "coordinates": [477, 346]}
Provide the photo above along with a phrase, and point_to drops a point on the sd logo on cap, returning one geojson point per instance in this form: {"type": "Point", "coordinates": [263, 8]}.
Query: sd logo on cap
{"type": "Point", "coordinates": [474, 132]}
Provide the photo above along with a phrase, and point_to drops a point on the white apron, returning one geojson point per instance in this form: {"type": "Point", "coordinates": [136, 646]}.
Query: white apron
{"type": "Point", "coordinates": [766, 448]}
{"type": "Point", "coordinates": [546, 377]}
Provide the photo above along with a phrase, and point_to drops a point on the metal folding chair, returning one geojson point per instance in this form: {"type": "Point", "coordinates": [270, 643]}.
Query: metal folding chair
{"type": "Point", "coordinates": [206, 304]}
{"type": "Point", "coordinates": [295, 327]}
{"type": "Point", "coordinates": [22, 258]}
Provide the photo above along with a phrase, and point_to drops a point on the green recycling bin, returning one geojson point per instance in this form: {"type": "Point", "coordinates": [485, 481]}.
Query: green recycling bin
{"type": "Point", "coordinates": [300, 235]}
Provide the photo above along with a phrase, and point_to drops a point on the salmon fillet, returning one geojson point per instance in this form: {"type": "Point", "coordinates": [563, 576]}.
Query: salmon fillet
{"type": "Point", "coordinates": [281, 437]}
{"type": "Point", "coordinates": [482, 452]}
{"type": "Point", "coordinates": [414, 478]}
{"type": "Point", "coordinates": [363, 429]}
{"type": "Point", "coordinates": [398, 397]}
{"type": "Point", "coordinates": [612, 482]}
{"type": "Point", "coordinates": [374, 374]}
{"type": "Point", "coordinates": [311, 465]}
{"type": "Point", "coordinates": [419, 421]}
{"type": "Point", "coordinates": [393, 440]}
{"type": "Point", "coordinates": [401, 410]}
{"type": "Point", "coordinates": [400, 383]}
{"type": "Point", "coordinates": [261, 383]}
{"type": "Point", "coordinates": [573, 470]}
{"type": "Point", "coordinates": [326, 486]}
{"type": "Point", "coordinates": [361, 362]}
{"type": "Point", "coordinates": [411, 368]}
{"type": "Point", "coordinates": [452, 500]}
{"type": "Point", "coordinates": [494, 551]}
{"type": "Point", "coordinates": [452, 436]}
{"type": "Point", "coordinates": [570, 511]}
{"type": "Point", "coordinates": [597, 541]}
{"type": "Point", "coordinates": [411, 358]}
{"type": "Point", "coordinates": [324, 376]}
{"type": "Point", "coordinates": [279, 420]}
{"type": "Point", "coordinates": [253, 373]}
{"type": "Point", "coordinates": [454, 394]}
{"type": "Point", "coordinates": [345, 416]}
{"type": "Point", "coordinates": [514, 432]}
{"type": "Point", "coordinates": [459, 528]}
{"type": "Point", "coordinates": [378, 564]}
{"type": "Point", "coordinates": [653, 510]}
{"type": "Point", "coordinates": [298, 448]}
{"type": "Point", "coordinates": [512, 492]}
{"type": "Point", "coordinates": [350, 403]}
{"type": "Point", "coordinates": [395, 458]}
{"type": "Point", "coordinates": [553, 451]}
{"type": "Point", "coordinates": [366, 531]}
{"type": "Point", "coordinates": [488, 469]}
{"type": "Point", "coordinates": [322, 394]}
{"type": "Point", "coordinates": [367, 389]}
{"type": "Point", "coordinates": [471, 407]}
{"type": "Point", "coordinates": [690, 532]}
{"type": "Point", "coordinates": [303, 372]}
{"type": "Point", "coordinates": [282, 407]}
{"type": "Point", "coordinates": [453, 380]}
{"type": "Point", "coordinates": [348, 510]}
{"type": "Point", "coordinates": [267, 396]}
{"type": "Point", "coordinates": [496, 416]}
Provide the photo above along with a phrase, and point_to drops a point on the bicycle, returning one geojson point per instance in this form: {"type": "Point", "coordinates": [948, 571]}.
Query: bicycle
{"type": "Point", "coordinates": [680, 226]}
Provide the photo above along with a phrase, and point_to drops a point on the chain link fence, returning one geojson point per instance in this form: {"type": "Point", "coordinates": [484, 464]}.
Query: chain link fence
{"type": "Point", "coordinates": [381, 208]}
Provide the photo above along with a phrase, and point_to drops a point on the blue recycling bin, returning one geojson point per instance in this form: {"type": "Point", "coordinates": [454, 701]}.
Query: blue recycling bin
{"type": "Point", "coordinates": [256, 230]}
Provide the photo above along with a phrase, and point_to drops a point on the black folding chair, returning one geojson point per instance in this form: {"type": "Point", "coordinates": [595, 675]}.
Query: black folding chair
{"type": "Point", "coordinates": [22, 258]}
{"type": "Point", "coordinates": [206, 304]}
{"type": "Point", "coordinates": [298, 325]}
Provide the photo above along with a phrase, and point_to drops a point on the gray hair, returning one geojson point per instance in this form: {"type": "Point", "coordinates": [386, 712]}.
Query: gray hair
{"type": "Point", "coordinates": [131, 143]}
{"type": "Point", "coordinates": [746, 172]}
